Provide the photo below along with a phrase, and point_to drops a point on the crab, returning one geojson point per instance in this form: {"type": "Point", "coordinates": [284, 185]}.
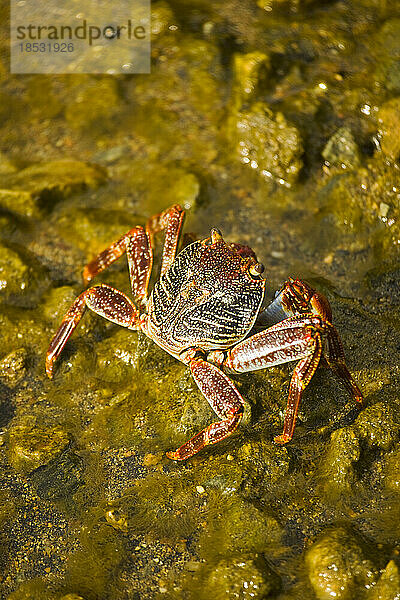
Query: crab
{"type": "Point", "coordinates": [203, 310]}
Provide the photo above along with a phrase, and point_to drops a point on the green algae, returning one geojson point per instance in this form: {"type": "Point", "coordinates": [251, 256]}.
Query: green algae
{"type": "Point", "coordinates": [290, 86]}
{"type": "Point", "coordinates": [339, 564]}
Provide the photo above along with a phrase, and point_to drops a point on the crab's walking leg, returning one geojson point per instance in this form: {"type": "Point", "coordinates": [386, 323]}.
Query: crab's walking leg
{"type": "Point", "coordinates": [170, 221]}
{"type": "Point", "coordinates": [136, 244]}
{"type": "Point", "coordinates": [223, 398]}
{"type": "Point", "coordinates": [298, 338]}
{"type": "Point", "coordinates": [101, 299]}
{"type": "Point", "coordinates": [336, 361]}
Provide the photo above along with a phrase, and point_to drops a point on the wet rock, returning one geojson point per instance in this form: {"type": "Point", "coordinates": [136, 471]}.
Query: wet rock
{"type": "Point", "coordinates": [388, 586]}
{"type": "Point", "coordinates": [248, 71]}
{"type": "Point", "coordinates": [19, 202]}
{"type": "Point", "coordinates": [392, 471]}
{"type": "Point", "coordinates": [339, 564]}
{"type": "Point", "coordinates": [118, 356]}
{"type": "Point", "coordinates": [57, 302]}
{"type": "Point", "coordinates": [60, 478]}
{"type": "Point", "coordinates": [243, 528]}
{"type": "Point", "coordinates": [94, 103]}
{"type": "Point", "coordinates": [48, 182]}
{"type": "Point", "coordinates": [162, 17]}
{"type": "Point", "coordinates": [264, 464]}
{"type": "Point", "coordinates": [268, 143]}
{"type": "Point", "coordinates": [379, 425]}
{"type": "Point", "coordinates": [336, 473]}
{"type": "Point", "coordinates": [243, 578]}
{"type": "Point", "coordinates": [31, 446]}
{"type": "Point", "coordinates": [6, 165]}
{"type": "Point", "coordinates": [15, 274]}
{"type": "Point", "coordinates": [389, 125]}
{"type": "Point", "coordinates": [341, 150]}
{"type": "Point", "coordinates": [13, 367]}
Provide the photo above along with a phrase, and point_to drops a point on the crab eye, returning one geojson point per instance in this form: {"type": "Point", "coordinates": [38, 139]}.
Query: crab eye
{"type": "Point", "coordinates": [256, 269]}
{"type": "Point", "coordinates": [216, 235]}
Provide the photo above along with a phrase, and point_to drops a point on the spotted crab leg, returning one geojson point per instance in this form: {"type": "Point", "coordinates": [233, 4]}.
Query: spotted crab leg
{"type": "Point", "coordinates": [297, 338]}
{"type": "Point", "coordinates": [336, 361]}
{"type": "Point", "coordinates": [223, 398]}
{"type": "Point", "coordinates": [296, 298]}
{"type": "Point", "coordinates": [170, 221]}
{"type": "Point", "coordinates": [104, 301]}
{"type": "Point", "coordinates": [137, 244]}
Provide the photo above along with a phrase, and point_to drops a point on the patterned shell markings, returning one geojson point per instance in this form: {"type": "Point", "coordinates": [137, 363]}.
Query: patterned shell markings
{"type": "Point", "coordinates": [207, 299]}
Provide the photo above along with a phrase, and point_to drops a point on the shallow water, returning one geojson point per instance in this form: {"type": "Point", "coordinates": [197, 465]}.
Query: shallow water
{"type": "Point", "coordinates": [276, 122]}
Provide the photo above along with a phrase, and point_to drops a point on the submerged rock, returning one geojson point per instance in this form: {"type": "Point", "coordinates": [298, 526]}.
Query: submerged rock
{"type": "Point", "coordinates": [337, 475]}
{"type": "Point", "coordinates": [13, 367]}
{"type": "Point", "coordinates": [268, 143]}
{"type": "Point", "coordinates": [243, 578]}
{"type": "Point", "coordinates": [341, 150]}
{"type": "Point", "coordinates": [31, 446]}
{"type": "Point", "coordinates": [47, 182]}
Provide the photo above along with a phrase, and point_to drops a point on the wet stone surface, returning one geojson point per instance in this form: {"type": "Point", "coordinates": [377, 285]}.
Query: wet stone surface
{"type": "Point", "coordinates": [277, 122]}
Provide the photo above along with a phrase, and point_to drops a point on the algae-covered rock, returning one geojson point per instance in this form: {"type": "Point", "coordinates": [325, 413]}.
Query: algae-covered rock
{"type": "Point", "coordinates": [59, 478]}
{"type": "Point", "coordinates": [264, 464]}
{"type": "Point", "coordinates": [31, 446]}
{"type": "Point", "coordinates": [57, 302]}
{"type": "Point", "coordinates": [17, 277]}
{"type": "Point", "coordinates": [392, 471]}
{"type": "Point", "coordinates": [93, 104]}
{"type": "Point", "coordinates": [49, 182]}
{"type": "Point", "coordinates": [248, 72]}
{"type": "Point", "coordinates": [378, 425]}
{"type": "Point", "coordinates": [389, 126]}
{"type": "Point", "coordinates": [162, 17]}
{"type": "Point", "coordinates": [118, 356]}
{"type": "Point", "coordinates": [268, 143]}
{"type": "Point", "coordinates": [243, 578]}
{"type": "Point", "coordinates": [339, 564]}
{"type": "Point", "coordinates": [13, 367]}
{"type": "Point", "coordinates": [341, 150]}
{"type": "Point", "coordinates": [388, 586]}
{"type": "Point", "coordinates": [237, 526]}
{"type": "Point", "coordinates": [19, 202]}
{"type": "Point", "coordinates": [336, 472]}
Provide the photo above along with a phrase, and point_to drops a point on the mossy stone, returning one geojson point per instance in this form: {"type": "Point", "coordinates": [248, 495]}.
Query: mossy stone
{"type": "Point", "coordinates": [248, 70]}
{"type": "Point", "coordinates": [243, 578]}
{"type": "Point", "coordinates": [15, 275]}
{"type": "Point", "coordinates": [379, 425]}
{"type": "Point", "coordinates": [389, 126]}
{"type": "Point", "coordinates": [388, 586]}
{"type": "Point", "coordinates": [336, 472]}
{"type": "Point", "coordinates": [19, 202]}
{"type": "Point", "coordinates": [54, 180]}
{"type": "Point", "coordinates": [341, 150]}
{"type": "Point", "coordinates": [392, 471]}
{"type": "Point", "coordinates": [339, 564]}
{"type": "Point", "coordinates": [13, 367]}
{"type": "Point", "coordinates": [31, 446]}
{"type": "Point", "coordinates": [94, 104]}
{"type": "Point", "coordinates": [268, 143]}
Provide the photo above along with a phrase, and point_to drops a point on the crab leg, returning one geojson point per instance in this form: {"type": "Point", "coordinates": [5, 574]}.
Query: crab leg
{"type": "Point", "coordinates": [223, 398]}
{"type": "Point", "coordinates": [136, 244]}
{"type": "Point", "coordinates": [170, 221]}
{"type": "Point", "coordinates": [336, 361]}
{"type": "Point", "coordinates": [298, 338]}
{"type": "Point", "coordinates": [104, 301]}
